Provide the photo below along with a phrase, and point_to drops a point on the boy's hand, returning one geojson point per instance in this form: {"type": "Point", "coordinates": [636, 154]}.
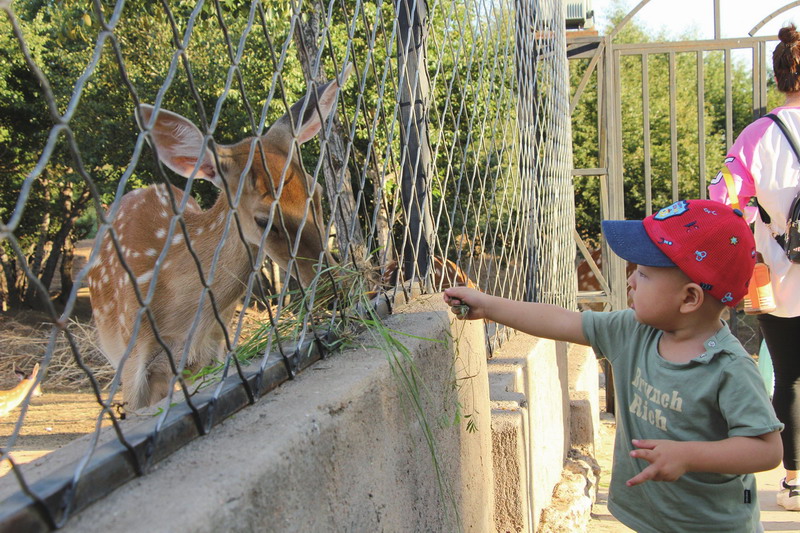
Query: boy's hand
{"type": "Point", "coordinates": [667, 460]}
{"type": "Point", "coordinates": [670, 459]}
{"type": "Point", "coordinates": [464, 302]}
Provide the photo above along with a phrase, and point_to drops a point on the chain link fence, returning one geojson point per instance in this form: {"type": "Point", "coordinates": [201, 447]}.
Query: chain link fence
{"type": "Point", "coordinates": [153, 168]}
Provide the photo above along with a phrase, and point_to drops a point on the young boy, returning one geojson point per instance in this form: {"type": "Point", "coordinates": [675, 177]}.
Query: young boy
{"type": "Point", "coordinates": [692, 409]}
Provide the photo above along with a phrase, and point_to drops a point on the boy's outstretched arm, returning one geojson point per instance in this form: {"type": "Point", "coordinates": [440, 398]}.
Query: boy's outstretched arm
{"type": "Point", "coordinates": [670, 459]}
{"type": "Point", "coordinates": [539, 320]}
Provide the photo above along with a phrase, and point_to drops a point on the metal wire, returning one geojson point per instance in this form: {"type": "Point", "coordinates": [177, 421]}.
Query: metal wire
{"type": "Point", "coordinates": [451, 143]}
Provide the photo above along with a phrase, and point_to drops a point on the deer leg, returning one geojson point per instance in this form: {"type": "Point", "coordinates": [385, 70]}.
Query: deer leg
{"type": "Point", "coordinates": [145, 379]}
{"type": "Point", "coordinates": [135, 384]}
{"type": "Point", "coordinates": [159, 375]}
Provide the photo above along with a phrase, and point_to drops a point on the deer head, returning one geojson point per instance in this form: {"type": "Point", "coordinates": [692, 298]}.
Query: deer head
{"type": "Point", "coordinates": [267, 169]}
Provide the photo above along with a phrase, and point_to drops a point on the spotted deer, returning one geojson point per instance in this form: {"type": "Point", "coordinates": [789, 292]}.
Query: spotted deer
{"type": "Point", "coordinates": [10, 399]}
{"type": "Point", "coordinates": [266, 169]}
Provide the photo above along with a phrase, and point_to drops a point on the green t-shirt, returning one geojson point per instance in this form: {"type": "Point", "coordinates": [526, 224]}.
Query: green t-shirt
{"type": "Point", "coordinates": [717, 395]}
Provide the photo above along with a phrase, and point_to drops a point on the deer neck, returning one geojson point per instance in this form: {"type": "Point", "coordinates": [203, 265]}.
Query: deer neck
{"type": "Point", "coordinates": [233, 264]}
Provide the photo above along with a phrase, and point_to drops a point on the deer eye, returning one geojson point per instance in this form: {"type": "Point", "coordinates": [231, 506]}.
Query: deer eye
{"type": "Point", "coordinates": [263, 222]}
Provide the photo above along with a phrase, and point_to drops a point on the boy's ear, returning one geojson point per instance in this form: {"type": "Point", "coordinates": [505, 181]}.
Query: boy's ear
{"type": "Point", "coordinates": [693, 297]}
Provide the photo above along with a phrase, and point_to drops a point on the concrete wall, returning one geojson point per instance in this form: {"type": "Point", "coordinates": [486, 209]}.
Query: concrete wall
{"type": "Point", "coordinates": [341, 449]}
{"type": "Point", "coordinates": [584, 394]}
{"type": "Point", "coordinates": [537, 388]}
{"type": "Point", "coordinates": [338, 449]}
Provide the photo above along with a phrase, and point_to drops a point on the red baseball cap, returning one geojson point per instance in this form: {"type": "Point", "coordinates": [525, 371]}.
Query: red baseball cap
{"type": "Point", "coordinates": [710, 242]}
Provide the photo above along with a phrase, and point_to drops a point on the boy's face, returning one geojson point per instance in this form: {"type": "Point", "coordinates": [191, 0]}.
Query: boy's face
{"type": "Point", "coordinates": [656, 294]}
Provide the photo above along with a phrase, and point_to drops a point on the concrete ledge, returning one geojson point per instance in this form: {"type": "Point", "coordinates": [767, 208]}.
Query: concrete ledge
{"type": "Point", "coordinates": [544, 402]}
{"type": "Point", "coordinates": [512, 495]}
{"type": "Point", "coordinates": [584, 394]}
{"type": "Point", "coordinates": [528, 377]}
{"type": "Point", "coordinates": [338, 449]}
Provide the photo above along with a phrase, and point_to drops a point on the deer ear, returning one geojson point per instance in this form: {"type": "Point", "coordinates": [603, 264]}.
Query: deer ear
{"type": "Point", "coordinates": [321, 101]}
{"type": "Point", "coordinates": [179, 144]}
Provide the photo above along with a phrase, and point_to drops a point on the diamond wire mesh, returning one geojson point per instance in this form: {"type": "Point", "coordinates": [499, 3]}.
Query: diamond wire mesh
{"type": "Point", "coordinates": [488, 107]}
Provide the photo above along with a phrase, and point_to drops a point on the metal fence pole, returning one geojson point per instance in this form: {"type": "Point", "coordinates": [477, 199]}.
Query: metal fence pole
{"type": "Point", "coordinates": [546, 151]}
{"type": "Point", "coordinates": [525, 55]}
{"type": "Point", "coordinates": [415, 148]}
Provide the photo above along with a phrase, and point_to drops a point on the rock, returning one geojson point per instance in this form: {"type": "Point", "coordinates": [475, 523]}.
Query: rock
{"type": "Point", "coordinates": [573, 496]}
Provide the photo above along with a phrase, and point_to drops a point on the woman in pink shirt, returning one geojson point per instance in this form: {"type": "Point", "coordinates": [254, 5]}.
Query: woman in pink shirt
{"type": "Point", "coordinates": [762, 165]}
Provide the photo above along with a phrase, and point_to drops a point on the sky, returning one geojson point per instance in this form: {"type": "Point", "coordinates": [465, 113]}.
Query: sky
{"type": "Point", "coordinates": [737, 17]}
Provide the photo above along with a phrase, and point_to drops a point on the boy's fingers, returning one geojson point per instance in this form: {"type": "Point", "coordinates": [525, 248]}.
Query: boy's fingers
{"type": "Point", "coordinates": [450, 299]}
{"type": "Point", "coordinates": [455, 291]}
{"type": "Point", "coordinates": [454, 303]}
{"type": "Point", "coordinates": [644, 444]}
{"type": "Point", "coordinates": [640, 478]}
{"type": "Point", "coordinates": [647, 455]}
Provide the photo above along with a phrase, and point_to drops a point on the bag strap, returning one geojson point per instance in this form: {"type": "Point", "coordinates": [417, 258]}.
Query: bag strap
{"type": "Point", "coordinates": [793, 143]}
{"type": "Point", "coordinates": [787, 133]}
{"type": "Point", "coordinates": [733, 196]}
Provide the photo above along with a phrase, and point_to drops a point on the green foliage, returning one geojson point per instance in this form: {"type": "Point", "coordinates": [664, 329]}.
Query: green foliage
{"type": "Point", "coordinates": [472, 129]}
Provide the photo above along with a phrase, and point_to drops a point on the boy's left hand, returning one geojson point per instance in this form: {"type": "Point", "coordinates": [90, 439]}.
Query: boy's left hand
{"type": "Point", "coordinates": [666, 457]}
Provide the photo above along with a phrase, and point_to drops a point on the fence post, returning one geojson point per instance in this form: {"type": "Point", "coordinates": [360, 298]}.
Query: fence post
{"type": "Point", "coordinates": [545, 153]}
{"type": "Point", "coordinates": [415, 149]}
{"type": "Point", "coordinates": [525, 59]}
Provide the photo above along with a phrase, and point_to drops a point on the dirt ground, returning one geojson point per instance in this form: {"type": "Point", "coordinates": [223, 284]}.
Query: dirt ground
{"type": "Point", "coordinates": [602, 521]}
{"type": "Point", "coordinates": [52, 421]}
{"type": "Point", "coordinates": [67, 408]}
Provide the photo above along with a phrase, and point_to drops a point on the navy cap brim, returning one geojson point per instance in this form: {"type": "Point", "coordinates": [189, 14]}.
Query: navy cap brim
{"type": "Point", "coordinates": [629, 240]}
